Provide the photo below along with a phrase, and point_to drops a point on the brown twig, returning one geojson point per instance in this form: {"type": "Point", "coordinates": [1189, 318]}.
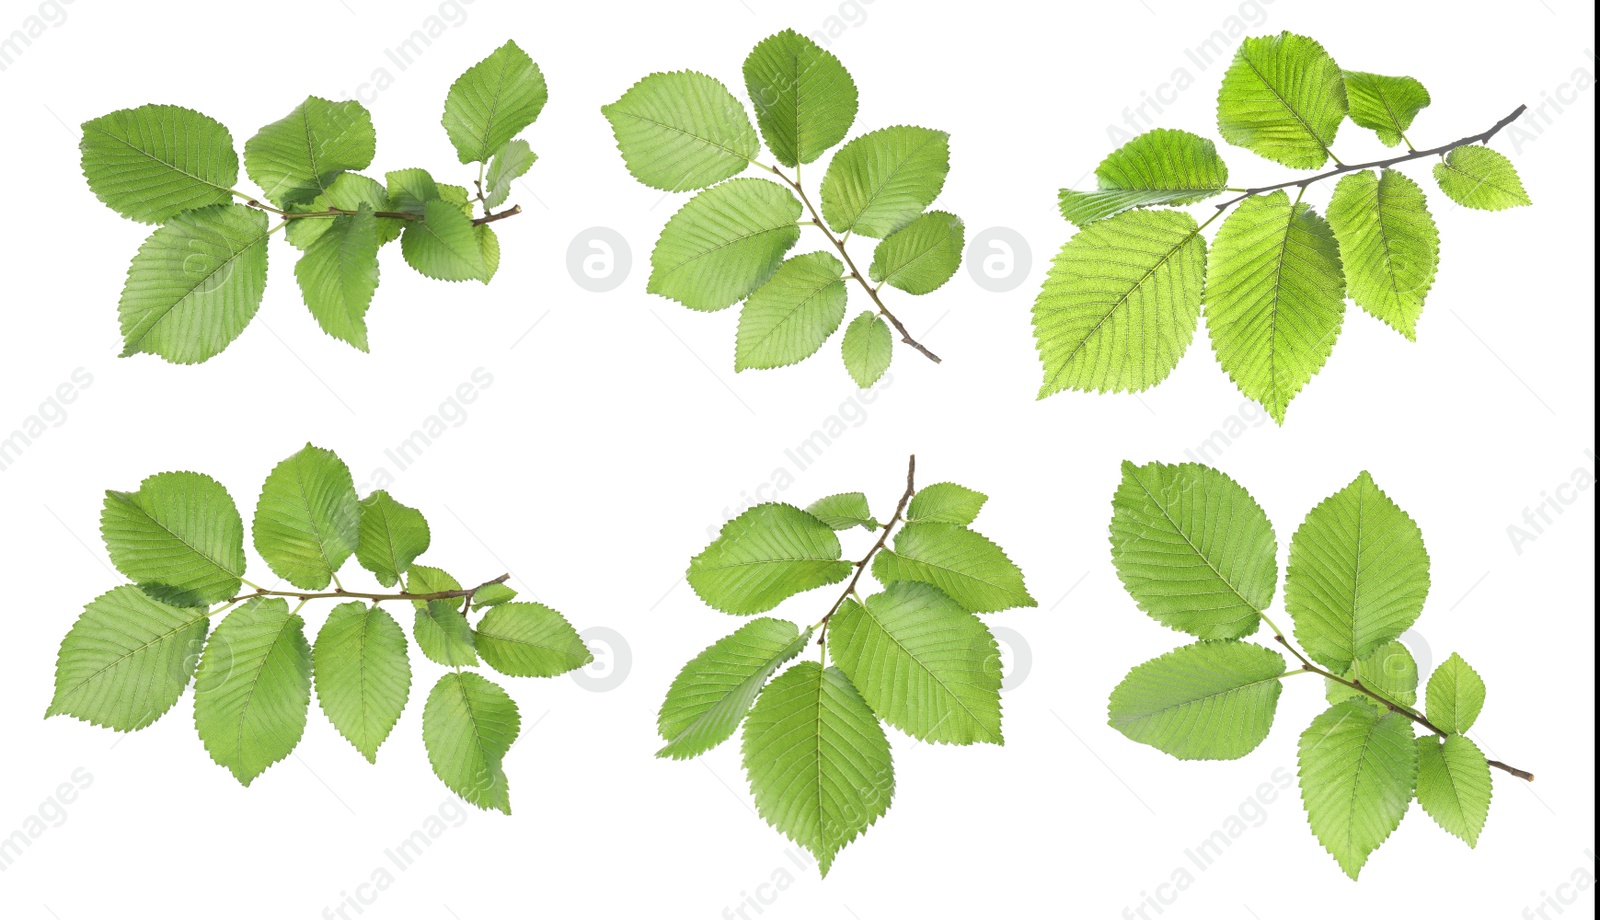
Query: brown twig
{"type": "Point", "coordinates": [393, 215]}
{"type": "Point", "coordinates": [360, 595]}
{"type": "Point", "coordinates": [883, 538]}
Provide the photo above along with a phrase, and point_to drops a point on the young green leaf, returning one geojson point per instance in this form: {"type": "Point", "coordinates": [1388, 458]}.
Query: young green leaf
{"type": "Point", "coordinates": [253, 688]}
{"type": "Point", "coordinates": [492, 102]}
{"type": "Point", "coordinates": [1274, 298]}
{"type": "Point", "coordinates": [522, 639]}
{"type": "Point", "coordinates": [410, 190]}
{"type": "Point", "coordinates": [491, 595]}
{"type": "Point", "coordinates": [1385, 104]}
{"type": "Point", "coordinates": [1193, 549]}
{"type": "Point", "coordinates": [921, 256]}
{"type": "Point", "coordinates": [788, 318]}
{"type": "Point", "coordinates": [443, 635]}
{"type": "Point", "coordinates": [724, 243]}
{"type": "Point", "coordinates": [127, 659]}
{"type": "Point", "coordinates": [804, 98]}
{"type": "Point", "coordinates": [468, 725]}
{"type": "Point", "coordinates": [868, 348]}
{"type": "Point", "coordinates": [1390, 672]}
{"type": "Point", "coordinates": [390, 538]}
{"type": "Point", "coordinates": [818, 762]}
{"type": "Point", "coordinates": [361, 673]}
{"type": "Point", "coordinates": [339, 274]}
{"type": "Point", "coordinates": [513, 159]}
{"type": "Point", "coordinates": [764, 556]}
{"type": "Point", "coordinates": [297, 157]}
{"type": "Point", "coordinates": [195, 284]}
{"type": "Point", "coordinates": [1121, 303]}
{"type": "Point", "coordinates": [444, 245]}
{"type": "Point", "coordinates": [1163, 166]}
{"type": "Point", "coordinates": [1206, 701]}
{"type": "Point", "coordinates": [1453, 785]}
{"type": "Point", "coordinates": [307, 521]}
{"type": "Point", "coordinates": [1388, 244]}
{"type": "Point", "coordinates": [1358, 772]}
{"type": "Point", "coordinates": [151, 162]}
{"type": "Point", "coordinates": [924, 664]}
{"type": "Point", "coordinates": [179, 537]}
{"type": "Point", "coordinates": [945, 503]}
{"type": "Point", "coordinates": [1477, 177]}
{"type": "Point", "coordinates": [1455, 696]}
{"type": "Point", "coordinates": [710, 696]}
{"type": "Point", "coordinates": [880, 181]}
{"type": "Point", "coordinates": [1358, 574]}
{"type": "Point", "coordinates": [844, 511]}
{"type": "Point", "coordinates": [1283, 98]}
{"type": "Point", "coordinates": [425, 579]}
{"type": "Point", "coordinates": [962, 563]}
{"type": "Point", "coordinates": [681, 131]}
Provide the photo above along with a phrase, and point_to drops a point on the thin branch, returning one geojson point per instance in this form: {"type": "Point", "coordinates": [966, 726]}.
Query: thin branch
{"type": "Point", "coordinates": [393, 215]}
{"type": "Point", "coordinates": [816, 218]}
{"type": "Point", "coordinates": [361, 595]}
{"type": "Point", "coordinates": [883, 538]}
{"type": "Point", "coordinates": [1377, 164]}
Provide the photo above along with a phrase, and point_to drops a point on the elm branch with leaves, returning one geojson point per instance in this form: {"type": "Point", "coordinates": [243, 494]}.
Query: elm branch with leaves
{"type": "Point", "coordinates": [914, 655]}
{"type": "Point", "coordinates": [1124, 296]}
{"type": "Point", "coordinates": [180, 540]}
{"type": "Point", "coordinates": [684, 131]}
{"type": "Point", "coordinates": [1197, 553]}
{"type": "Point", "coordinates": [198, 280]}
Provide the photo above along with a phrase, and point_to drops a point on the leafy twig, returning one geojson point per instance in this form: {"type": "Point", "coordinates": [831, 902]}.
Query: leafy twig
{"type": "Point", "coordinates": [361, 595]}
{"type": "Point", "coordinates": [393, 215]}
{"type": "Point", "coordinates": [883, 538]}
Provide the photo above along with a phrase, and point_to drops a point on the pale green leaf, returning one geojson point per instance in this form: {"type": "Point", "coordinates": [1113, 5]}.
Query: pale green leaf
{"type": "Point", "coordinates": [962, 563]}
{"type": "Point", "coordinates": [945, 503]}
{"type": "Point", "coordinates": [1455, 695]}
{"type": "Point", "coordinates": [490, 595]}
{"type": "Point", "coordinates": [195, 284]}
{"type": "Point", "coordinates": [307, 521]}
{"type": "Point", "coordinates": [1121, 303]}
{"type": "Point", "coordinates": [362, 674]}
{"type": "Point", "coordinates": [711, 695]}
{"type": "Point", "coordinates": [868, 348]}
{"type": "Point", "coordinates": [804, 98]}
{"type": "Point", "coordinates": [443, 635]}
{"type": "Point", "coordinates": [788, 318]}
{"type": "Point", "coordinates": [492, 102]}
{"type": "Point", "coordinates": [1454, 785]}
{"type": "Point", "coordinates": [254, 687]}
{"type": "Point", "coordinates": [880, 181]}
{"type": "Point", "coordinates": [180, 537]}
{"type": "Point", "coordinates": [154, 161]}
{"type": "Point", "coordinates": [410, 190]}
{"type": "Point", "coordinates": [1193, 549]}
{"type": "Point", "coordinates": [1274, 298]}
{"type": "Point", "coordinates": [921, 256]}
{"type": "Point", "coordinates": [818, 762]}
{"type": "Point", "coordinates": [1163, 166]}
{"type": "Point", "coordinates": [1283, 98]}
{"type": "Point", "coordinates": [297, 157]}
{"type": "Point", "coordinates": [468, 725]}
{"type": "Point", "coordinates": [127, 659]}
{"type": "Point", "coordinates": [1385, 104]}
{"type": "Point", "coordinates": [844, 511]}
{"type": "Point", "coordinates": [530, 640]}
{"type": "Point", "coordinates": [391, 537]}
{"type": "Point", "coordinates": [1390, 672]}
{"type": "Point", "coordinates": [445, 246]}
{"type": "Point", "coordinates": [724, 243]}
{"type": "Point", "coordinates": [1477, 177]}
{"type": "Point", "coordinates": [765, 555]}
{"type": "Point", "coordinates": [510, 162]}
{"type": "Point", "coordinates": [1358, 772]}
{"type": "Point", "coordinates": [682, 130]}
{"type": "Point", "coordinates": [923, 664]}
{"type": "Point", "coordinates": [1206, 701]}
{"type": "Point", "coordinates": [1388, 244]}
{"type": "Point", "coordinates": [425, 579]}
{"type": "Point", "coordinates": [349, 192]}
{"type": "Point", "coordinates": [339, 273]}
{"type": "Point", "coordinates": [1358, 574]}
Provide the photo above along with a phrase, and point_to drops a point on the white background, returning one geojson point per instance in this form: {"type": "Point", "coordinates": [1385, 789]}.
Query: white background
{"type": "Point", "coordinates": [615, 432]}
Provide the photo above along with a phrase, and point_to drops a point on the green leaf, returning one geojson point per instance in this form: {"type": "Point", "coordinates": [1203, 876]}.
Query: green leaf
{"type": "Point", "coordinates": [530, 640]}
{"type": "Point", "coordinates": [349, 192]}
{"type": "Point", "coordinates": [410, 190]}
{"type": "Point", "coordinates": [868, 347]}
{"type": "Point", "coordinates": [787, 319]}
{"type": "Point", "coordinates": [151, 162]}
{"type": "Point", "coordinates": [425, 579]}
{"type": "Point", "coordinates": [297, 157]}
{"type": "Point", "coordinates": [127, 659]}
{"type": "Point", "coordinates": [1274, 298]}
{"type": "Point", "coordinates": [818, 762]}
{"type": "Point", "coordinates": [443, 635]}
{"type": "Point", "coordinates": [921, 256]}
{"type": "Point", "coordinates": [510, 162]}
{"type": "Point", "coordinates": [1163, 166]}
{"type": "Point", "coordinates": [1206, 701]}
{"type": "Point", "coordinates": [764, 556]}
{"type": "Point", "coordinates": [307, 521]}
{"type": "Point", "coordinates": [339, 273]}
{"type": "Point", "coordinates": [804, 98]}
{"type": "Point", "coordinates": [681, 131]}
{"type": "Point", "coordinates": [180, 537]}
{"type": "Point", "coordinates": [1121, 303]}
{"type": "Point", "coordinates": [844, 511]}
{"type": "Point", "coordinates": [444, 245]}
{"type": "Point", "coordinates": [710, 696]}
{"type": "Point", "coordinates": [195, 284]}
{"type": "Point", "coordinates": [1390, 672]}
{"type": "Point", "coordinates": [391, 537]}
{"type": "Point", "coordinates": [1477, 177]}
{"type": "Point", "coordinates": [962, 563]}
{"type": "Point", "coordinates": [468, 725]}
{"type": "Point", "coordinates": [1193, 549]}
{"type": "Point", "coordinates": [254, 687]}
{"type": "Point", "coordinates": [1385, 104]}
{"type": "Point", "coordinates": [945, 503]}
{"type": "Point", "coordinates": [1388, 244]}
{"type": "Point", "coordinates": [1283, 98]}
{"type": "Point", "coordinates": [1358, 771]}
{"type": "Point", "coordinates": [1454, 785]}
{"type": "Point", "coordinates": [490, 595]}
{"type": "Point", "coordinates": [1455, 695]}
{"type": "Point", "coordinates": [880, 181]}
{"type": "Point", "coordinates": [1358, 574]}
{"type": "Point", "coordinates": [724, 243]}
{"type": "Point", "coordinates": [492, 102]}
{"type": "Point", "coordinates": [923, 664]}
{"type": "Point", "coordinates": [361, 673]}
